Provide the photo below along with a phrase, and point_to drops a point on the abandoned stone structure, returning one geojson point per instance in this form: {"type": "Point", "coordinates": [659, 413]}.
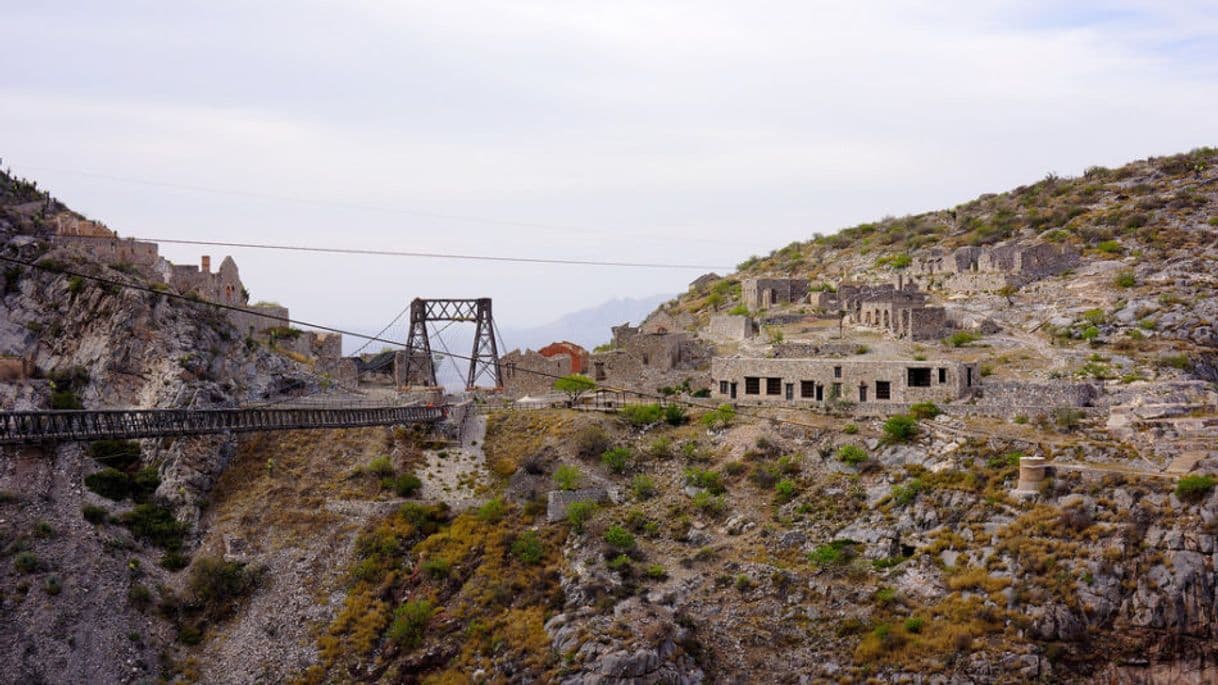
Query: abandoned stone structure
{"type": "Point", "coordinates": [973, 269]}
{"type": "Point", "coordinates": [898, 308]}
{"type": "Point", "coordinates": [1046, 395]}
{"type": "Point", "coordinates": [259, 321]}
{"type": "Point", "coordinates": [732, 327]}
{"type": "Point", "coordinates": [814, 382]}
{"type": "Point", "coordinates": [661, 321]}
{"type": "Point", "coordinates": [15, 368]}
{"type": "Point", "coordinates": [639, 359]}
{"type": "Point", "coordinates": [703, 281]}
{"type": "Point", "coordinates": [762, 293]}
{"type": "Point", "coordinates": [533, 373]}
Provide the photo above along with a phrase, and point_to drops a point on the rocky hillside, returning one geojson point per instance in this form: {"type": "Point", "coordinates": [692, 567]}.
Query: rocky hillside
{"type": "Point", "coordinates": [657, 544]}
{"type": "Point", "coordinates": [87, 532]}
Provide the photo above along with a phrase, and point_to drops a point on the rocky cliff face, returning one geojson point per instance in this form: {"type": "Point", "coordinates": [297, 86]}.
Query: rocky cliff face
{"type": "Point", "coordinates": [75, 592]}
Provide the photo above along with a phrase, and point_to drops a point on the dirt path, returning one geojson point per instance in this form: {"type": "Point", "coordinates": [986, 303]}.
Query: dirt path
{"type": "Point", "coordinates": [457, 475]}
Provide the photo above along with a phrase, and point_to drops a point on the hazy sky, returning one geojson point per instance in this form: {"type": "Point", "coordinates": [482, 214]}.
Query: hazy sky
{"type": "Point", "coordinates": [692, 132]}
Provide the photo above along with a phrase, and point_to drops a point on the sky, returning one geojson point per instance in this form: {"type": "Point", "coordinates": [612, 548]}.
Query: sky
{"type": "Point", "coordinates": [680, 132]}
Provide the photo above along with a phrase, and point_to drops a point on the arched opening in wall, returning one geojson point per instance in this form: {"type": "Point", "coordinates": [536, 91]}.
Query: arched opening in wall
{"type": "Point", "coordinates": [886, 318]}
{"type": "Point", "coordinates": [904, 322]}
{"type": "Point", "coordinates": [867, 318]}
{"type": "Point", "coordinates": [600, 370]}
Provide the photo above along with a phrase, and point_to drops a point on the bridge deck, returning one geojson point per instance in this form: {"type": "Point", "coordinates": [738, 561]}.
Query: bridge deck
{"type": "Point", "coordinates": [25, 427]}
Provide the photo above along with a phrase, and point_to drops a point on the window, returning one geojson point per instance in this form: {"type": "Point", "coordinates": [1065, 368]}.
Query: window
{"type": "Point", "coordinates": [883, 390]}
{"type": "Point", "coordinates": [835, 392]}
{"type": "Point", "coordinates": [773, 386]}
{"type": "Point", "coordinates": [969, 377]}
{"type": "Point", "coordinates": [722, 387]}
{"type": "Point", "coordinates": [942, 375]}
{"type": "Point", "coordinates": [918, 377]}
{"type": "Point", "coordinates": [600, 370]}
{"type": "Point", "coordinates": [837, 372]}
{"type": "Point", "coordinates": [862, 392]}
{"type": "Point", "coordinates": [646, 359]}
{"type": "Point", "coordinates": [752, 385]}
{"type": "Point", "coordinates": [807, 388]}
{"type": "Point", "coordinates": [820, 393]}
{"type": "Point", "coordinates": [790, 391]}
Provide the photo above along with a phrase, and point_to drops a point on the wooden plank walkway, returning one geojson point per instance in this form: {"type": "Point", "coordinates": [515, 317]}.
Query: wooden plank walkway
{"type": "Point", "coordinates": [26, 427]}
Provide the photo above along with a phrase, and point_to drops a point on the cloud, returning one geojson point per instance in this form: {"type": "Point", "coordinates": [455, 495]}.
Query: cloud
{"type": "Point", "coordinates": [702, 131]}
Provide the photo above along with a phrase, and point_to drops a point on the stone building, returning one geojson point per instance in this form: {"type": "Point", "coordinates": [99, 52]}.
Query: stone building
{"type": "Point", "coordinates": [15, 368]}
{"type": "Point", "coordinates": [223, 286]}
{"type": "Point", "coordinates": [762, 293]}
{"type": "Point", "coordinates": [974, 269]}
{"type": "Point", "coordinates": [898, 309]}
{"type": "Point", "coordinates": [661, 321]}
{"type": "Point", "coordinates": [731, 327]}
{"type": "Point", "coordinates": [818, 381]}
{"type": "Point", "coordinates": [640, 360]}
{"type": "Point", "coordinates": [534, 373]}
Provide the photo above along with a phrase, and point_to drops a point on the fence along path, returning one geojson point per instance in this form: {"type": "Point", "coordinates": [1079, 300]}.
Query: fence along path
{"type": "Point", "coordinates": [23, 427]}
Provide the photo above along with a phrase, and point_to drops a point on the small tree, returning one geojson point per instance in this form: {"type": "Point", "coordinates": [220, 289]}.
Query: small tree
{"type": "Point", "coordinates": [574, 385]}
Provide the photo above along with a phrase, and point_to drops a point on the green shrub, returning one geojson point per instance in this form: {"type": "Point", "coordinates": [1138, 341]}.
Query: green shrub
{"type": "Point", "coordinates": [1176, 361]}
{"type": "Point", "coordinates": [217, 585]}
{"type": "Point", "coordinates": [784, 490]}
{"type": "Point", "coordinates": [655, 572]}
{"type": "Point", "coordinates": [1109, 247]}
{"type": "Point", "coordinates": [139, 596]}
{"type": "Point", "coordinates": [639, 415]}
{"type": "Point", "coordinates": [527, 547]}
{"type": "Point", "coordinates": [622, 564]}
{"type": "Point", "coordinates": [710, 504]}
{"type": "Point", "coordinates": [144, 483]}
{"type": "Point", "coordinates": [675, 415]}
{"type": "Point", "coordinates": [109, 483]}
{"type": "Point", "coordinates": [26, 562]}
{"type": "Point", "coordinates": [155, 525]}
{"type": "Point", "coordinates": [119, 454]}
{"type": "Point", "coordinates": [620, 538]}
{"type": "Point", "coordinates": [1095, 317]}
{"type": "Point", "coordinates": [65, 399]}
{"type": "Point", "coordinates": [850, 429]}
{"type": "Point", "coordinates": [591, 440]}
{"type": "Point", "coordinates": [409, 621]}
{"type": "Point", "coordinates": [436, 569]}
{"type": "Point", "coordinates": [173, 560]}
{"type": "Point", "coordinates": [568, 477]}
{"type": "Point", "coordinates": [900, 428]}
{"type": "Point", "coordinates": [94, 514]}
{"type": "Point", "coordinates": [492, 511]}
{"type": "Point", "coordinates": [998, 461]}
{"type": "Point", "coordinates": [404, 485]}
{"type": "Point", "coordinates": [1195, 488]}
{"type": "Point", "coordinates": [643, 487]}
{"type": "Point", "coordinates": [1067, 419]}
{"type": "Point", "coordinates": [962, 338]}
{"type": "Point", "coordinates": [835, 553]}
{"type": "Point", "coordinates": [719, 418]}
{"type": "Point", "coordinates": [578, 514]}
{"type": "Point", "coordinates": [739, 310]}
{"type": "Point", "coordinates": [851, 454]}
{"type": "Point", "coordinates": [616, 459]}
{"type": "Point", "coordinates": [381, 466]}
{"type": "Point", "coordinates": [52, 585]}
{"type": "Point", "coordinates": [914, 624]}
{"type": "Point", "coordinates": [709, 480]}
{"type": "Point", "coordinates": [904, 495]}
{"type": "Point", "coordinates": [924, 410]}
{"type": "Point", "coordinates": [1125, 279]}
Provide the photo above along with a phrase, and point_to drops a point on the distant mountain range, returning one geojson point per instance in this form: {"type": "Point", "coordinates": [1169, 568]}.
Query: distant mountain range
{"type": "Point", "coordinates": [587, 327]}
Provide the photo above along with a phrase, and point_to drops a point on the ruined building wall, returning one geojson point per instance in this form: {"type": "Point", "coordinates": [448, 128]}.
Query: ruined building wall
{"type": "Point", "coordinates": [1044, 394]}
{"type": "Point", "coordinates": [731, 327]}
{"type": "Point", "coordinates": [114, 250]}
{"type": "Point", "coordinates": [763, 293]}
{"type": "Point", "coordinates": [532, 373]}
{"type": "Point", "coordinates": [851, 381]}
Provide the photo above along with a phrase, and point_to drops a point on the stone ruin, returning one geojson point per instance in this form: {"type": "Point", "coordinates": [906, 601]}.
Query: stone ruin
{"type": "Point", "coordinates": [976, 269]}
{"type": "Point", "coordinates": [898, 309]}
{"type": "Point", "coordinates": [533, 372]}
{"type": "Point", "coordinates": [762, 293]}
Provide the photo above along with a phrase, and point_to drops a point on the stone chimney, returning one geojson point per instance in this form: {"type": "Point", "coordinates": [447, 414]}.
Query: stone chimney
{"type": "Point", "coordinates": [205, 267]}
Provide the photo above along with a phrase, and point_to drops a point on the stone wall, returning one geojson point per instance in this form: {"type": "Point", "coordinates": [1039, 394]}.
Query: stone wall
{"type": "Point", "coordinates": [223, 286]}
{"type": "Point", "coordinates": [114, 250]}
{"type": "Point", "coordinates": [731, 327]}
{"type": "Point", "coordinates": [258, 318]}
{"type": "Point", "coordinates": [577, 354]}
{"type": "Point", "coordinates": [14, 368]}
{"type": "Point", "coordinates": [803, 350]}
{"type": "Point", "coordinates": [763, 293]}
{"type": "Point", "coordinates": [1046, 395]}
{"type": "Point", "coordinates": [819, 381]}
{"type": "Point", "coordinates": [532, 373]}
{"type": "Point", "coordinates": [342, 371]}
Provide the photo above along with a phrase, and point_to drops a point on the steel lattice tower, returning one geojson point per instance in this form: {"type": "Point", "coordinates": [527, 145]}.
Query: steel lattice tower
{"type": "Point", "coordinates": [483, 360]}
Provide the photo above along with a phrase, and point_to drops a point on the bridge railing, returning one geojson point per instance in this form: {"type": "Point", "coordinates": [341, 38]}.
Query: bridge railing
{"type": "Point", "coordinates": [37, 426]}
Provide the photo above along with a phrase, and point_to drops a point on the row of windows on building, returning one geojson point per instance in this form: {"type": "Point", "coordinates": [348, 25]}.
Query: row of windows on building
{"type": "Point", "coordinates": [916, 377]}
